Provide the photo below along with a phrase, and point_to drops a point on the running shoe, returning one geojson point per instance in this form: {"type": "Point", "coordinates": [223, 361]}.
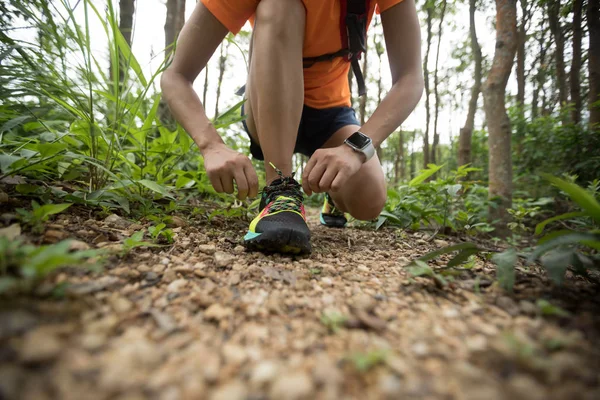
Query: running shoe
{"type": "Point", "coordinates": [280, 227]}
{"type": "Point", "coordinates": [331, 216]}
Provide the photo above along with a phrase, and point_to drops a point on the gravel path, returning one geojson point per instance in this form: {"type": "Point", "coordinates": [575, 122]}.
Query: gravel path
{"type": "Point", "coordinates": [203, 319]}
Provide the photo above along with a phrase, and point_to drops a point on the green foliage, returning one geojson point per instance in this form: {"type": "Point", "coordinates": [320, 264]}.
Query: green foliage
{"type": "Point", "coordinates": [40, 214]}
{"type": "Point", "coordinates": [333, 321]}
{"type": "Point", "coordinates": [450, 202]}
{"type": "Point", "coordinates": [161, 233]}
{"type": "Point", "coordinates": [546, 308]}
{"type": "Point", "coordinates": [134, 241]}
{"type": "Point", "coordinates": [23, 265]}
{"type": "Point", "coordinates": [364, 362]}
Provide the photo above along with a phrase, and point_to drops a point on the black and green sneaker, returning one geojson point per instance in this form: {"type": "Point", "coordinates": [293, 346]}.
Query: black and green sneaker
{"type": "Point", "coordinates": [280, 227]}
{"type": "Point", "coordinates": [332, 216]}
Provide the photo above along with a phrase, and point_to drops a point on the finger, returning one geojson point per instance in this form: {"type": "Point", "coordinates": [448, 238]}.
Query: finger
{"type": "Point", "coordinates": [215, 181]}
{"type": "Point", "coordinates": [241, 183]}
{"type": "Point", "coordinates": [307, 170]}
{"type": "Point", "coordinates": [252, 180]}
{"type": "Point", "coordinates": [227, 182]}
{"type": "Point", "coordinates": [327, 179]}
{"type": "Point", "coordinates": [315, 177]}
{"type": "Point", "coordinates": [339, 181]}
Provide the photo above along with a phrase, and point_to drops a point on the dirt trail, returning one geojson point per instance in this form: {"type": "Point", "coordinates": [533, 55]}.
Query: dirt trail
{"type": "Point", "coordinates": [206, 320]}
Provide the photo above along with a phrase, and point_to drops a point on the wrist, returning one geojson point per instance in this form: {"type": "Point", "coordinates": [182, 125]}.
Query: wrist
{"type": "Point", "coordinates": [353, 153]}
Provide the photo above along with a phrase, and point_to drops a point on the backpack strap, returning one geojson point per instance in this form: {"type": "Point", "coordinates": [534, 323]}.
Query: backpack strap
{"type": "Point", "coordinates": [353, 31]}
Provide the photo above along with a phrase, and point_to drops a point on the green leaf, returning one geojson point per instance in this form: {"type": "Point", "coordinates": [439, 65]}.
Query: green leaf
{"type": "Point", "coordinates": [578, 195]}
{"type": "Point", "coordinates": [586, 239]}
{"type": "Point", "coordinates": [420, 269]}
{"type": "Point", "coordinates": [556, 263]}
{"type": "Point", "coordinates": [506, 268]}
{"type": "Point", "coordinates": [50, 209]}
{"type": "Point", "coordinates": [6, 161]}
{"type": "Point", "coordinates": [462, 257]}
{"type": "Point", "coordinates": [449, 249]}
{"type": "Point", "coordinates": [155, 187]}
{"type": "Point", "coordinates": [425, 174]}
{"type": "Point", "coordinates": [547, 308]}
{"type": "Point", "coordinates": [50, 149]}
{"type": "Point", "coordinates": [540, 227]}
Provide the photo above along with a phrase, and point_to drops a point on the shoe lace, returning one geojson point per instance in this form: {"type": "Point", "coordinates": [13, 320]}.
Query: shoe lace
{"type": "Point", "coordinates": [285, 194]}
{"type": "Point", "coordinates": [333, 209]}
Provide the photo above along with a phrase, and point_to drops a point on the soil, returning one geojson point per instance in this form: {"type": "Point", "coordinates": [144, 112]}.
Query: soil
{"type": "Point", "coordinates": [204, 319]}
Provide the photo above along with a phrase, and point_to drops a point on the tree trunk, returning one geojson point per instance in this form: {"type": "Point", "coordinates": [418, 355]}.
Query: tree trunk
{"type": "Point", "coordinates": [576, 101]}
{"type": "Point", "coordinates": [540, 77]}
{"type": "Point", "coordinates": [222, 65]}
{"type": "Point", "coordinates": [126, 12]}
{"type": "Point", "coordinates": [522, 39]}
{"type": "Point", "coordinates": [559, 41]}
{"type": "Point", "coordinates": [593, 18]}
{"type": "Point", "coordinates": [499, 141]}
{"type": "Point", "coordinates": [427, 90]}
{"type": "Point", "coordinates": [466, 133]}
{"type": "Point", "coordinates": [173, 23]}
{"type": "Point", "coordinates": [402, 155]}
{"type": "Point", "coordinates": [205, 90]}
{"type": "Point", "coordinates": [363, 99]}
{"type": "Point", "coordinates": [413, 156]}
{"type": "Point", "coordinates": [436, 82]}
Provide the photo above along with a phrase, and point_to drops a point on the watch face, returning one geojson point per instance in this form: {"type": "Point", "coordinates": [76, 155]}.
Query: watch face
{"type": "Point", "coordinates": [359, 140]}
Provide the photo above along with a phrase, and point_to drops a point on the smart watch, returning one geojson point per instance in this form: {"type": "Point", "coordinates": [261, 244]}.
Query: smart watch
{"type": "Point", "coordinates": [361, 143]}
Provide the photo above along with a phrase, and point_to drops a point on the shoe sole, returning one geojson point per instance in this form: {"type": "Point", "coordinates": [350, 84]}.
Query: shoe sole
{"type": "Point", "coordinates": [332, 225]}
{"type": "Point", "coordinates": [287, 241]}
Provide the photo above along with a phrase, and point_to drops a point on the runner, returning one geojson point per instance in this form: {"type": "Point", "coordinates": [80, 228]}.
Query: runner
{"type": "Point", "coordinates": [298, 100]}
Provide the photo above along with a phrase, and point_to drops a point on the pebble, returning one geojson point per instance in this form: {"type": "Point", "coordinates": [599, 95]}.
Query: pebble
{"type": "Point", "coordinates": [78, 245]}
{"type": "Point", "coordinates": [207, 248]}
{"type": "Point", "coordinates": [40, 345]}
{"type": "Point", "coordinates": [263, 373]}
{"type": "Point", "coordinates": [327, 281]}
{"type": "Point", "coordinates": [234, 279]}
{"type": "Point", "coordinates": [233, 390]}
{"type": "Point", "coordinates": [528, 308]}
{"type": "Point", "coordinates": [177, 285]}
{"type": "Point", "coordinates": [508, 305]}
{"type": "Point", "coordinates": [239, 249]}
{"type": "Point", "coordinates": [114, 221]}
{"type": "Point", "coordinates": [441, 243]}
{"type": "Point", "coordinates": [389, 385]}
{"type": "Point", "coordinates": [120, 304]}
{"type": "Point", "coordinates": [223, 259]}
{"type": "Point", "coordinates": [364, 302]}
{"type": "Point", "coordinates": [294, 386]}
{"type": "Point", "coordinates": [217, 312]}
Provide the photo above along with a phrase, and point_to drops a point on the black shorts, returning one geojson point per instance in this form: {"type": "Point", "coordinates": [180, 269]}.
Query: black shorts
{"type": "Point", "coordinates": [316, 127]}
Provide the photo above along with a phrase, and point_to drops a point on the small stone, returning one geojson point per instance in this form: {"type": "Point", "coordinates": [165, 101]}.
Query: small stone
{"type": "Point", "coordinates": [217, 312]}
{"type": "Point", "coordinates": [164, 321]}
{"type": "Point", "coordinates": [223, 259]}
{"type": "Point", "coordinates": [476, 343]}
{"type": "Point", "coordinates": [114, 221]}
{"type": "Point", "coordinates": [234, 390]}
{"type": "Point", "coordinates": [54, 236]}
{"type": "Point", "coordinates": [3, 197]}
{"type": "Point", "coordinates": [451, 312]}
{"type": "Point", "coordinates": [364, 302]}
{"type": "Point", "coordinates": [420, 349]}
{"type": "Point", "coordinates": [78, 245]}
{"type": "Point", "coordinates": [239, 249]}
{"type": "Point", "coordinates": [441, 243]}
{"type": "Point", "coordinates": [165, 261]}
{"type": "Point", "coordinates": [528, 308]}
{"type": "Point", "coordinates": [11, 232]}
{"type": "Point", "coordinates": [234, 354]}
{"type": "Point", "coordinates": [176, 221]}
{"type": "Point", "coordinates": [293, 386]}
{"type": "Point", "coordinates": [207, 248]}
{"type": "Point", "coordinates": [184, 268]}
{"type": "Point", "coordinates": [389, 385]}
{"type": "Point", "coordinates": [263, 373]}
{"type": "Point", "coordinates": [508, 305]}
{"type": "Point", "coordinates": [523, 387]}
{"type": "Point", "coordinates": [151, 276]}
{"type": "Point", "coordinates": [234, 279]}
{"type": "Point", "coordinates": [363, 268]}
{"type": "Point", "coordinates": [120, 304]}
{"type": "Point", "coordinates": [92, 341]}
{"type": "Point", "coordinates": [93, 286]}
{"type": "Point", "coordinates": [169, 276]}
{"type": "Point", "coordinates": [40, 346]}
{"type": "Point", "coordinates": [327, 281]}
{"type": "Point", "coordinates": [177, 285]}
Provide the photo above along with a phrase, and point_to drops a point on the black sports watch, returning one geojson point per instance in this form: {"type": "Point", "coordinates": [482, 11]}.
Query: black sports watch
{"type": "Point", "coordinates": [361, 143]}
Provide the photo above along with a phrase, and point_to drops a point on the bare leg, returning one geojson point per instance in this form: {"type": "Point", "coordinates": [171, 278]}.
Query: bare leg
{"type": "Point", "coordinates": [364, 195]}
{"type": "Point", "coordinates": [275, 87]}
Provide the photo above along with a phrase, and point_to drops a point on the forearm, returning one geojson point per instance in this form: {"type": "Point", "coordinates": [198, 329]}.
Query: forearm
{"type": "Point", "coordinates": [397, 105]}
{"type": "Point", "coordinates": [187, 109]}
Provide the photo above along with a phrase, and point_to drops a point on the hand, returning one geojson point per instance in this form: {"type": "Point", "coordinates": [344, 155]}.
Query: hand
{"type": "Point", "coordinates": [224, 165]}
{"type": "Point", "coordinates": [329, 169]}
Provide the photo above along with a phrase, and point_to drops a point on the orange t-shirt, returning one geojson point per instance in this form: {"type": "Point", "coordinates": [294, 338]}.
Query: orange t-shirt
{"type": "Point", "coordinates": [326, 82]}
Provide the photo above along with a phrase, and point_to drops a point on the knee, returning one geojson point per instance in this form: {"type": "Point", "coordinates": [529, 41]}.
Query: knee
{"type": "Point", "coordinates": [371, 208]}
{"type": "Point", "coordinates": [281, 17]}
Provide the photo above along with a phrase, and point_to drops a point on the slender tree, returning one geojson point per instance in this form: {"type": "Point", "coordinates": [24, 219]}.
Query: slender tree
{"type": "Point", "coordinates": [556, 29]}
{"type": "Point", "coordinates": [576, 101]}
{"type": "Point", "coordinates": [540, 76]}
{"type": "Point", "coordinates": [429, 10]}
{"type": "Point", "coordinates": [466, 133]}
{"type": "Point", "coordinates": [126, 12]}
{"type": "Point", "coordinates": [222, 65]}
{"type": "Point", "coordinates": [593, 22]}
{"type": "Point", "coordinates": [173, 22]}
{"type": "Point", "coordinates": [494, 90]}
{"type": "Point", "coordinates": [436, 83]}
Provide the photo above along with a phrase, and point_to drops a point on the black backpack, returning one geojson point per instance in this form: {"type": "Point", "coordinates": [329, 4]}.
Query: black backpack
{"type": "Point", "coordinates": [353, 30]}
